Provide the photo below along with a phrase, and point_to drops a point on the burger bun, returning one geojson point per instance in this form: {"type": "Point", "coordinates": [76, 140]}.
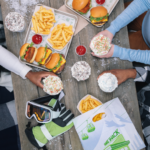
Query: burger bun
{"type": "Point", "coordinates": [98, 11]}
{"type": "Point", "coordinates": [40, 54]}
{"type": "Point", "coordinates": [23, 49]}
{"type": "Point", "coordinates": [79, 4]}
{"type": "Point", "coordinates": [33, 58]}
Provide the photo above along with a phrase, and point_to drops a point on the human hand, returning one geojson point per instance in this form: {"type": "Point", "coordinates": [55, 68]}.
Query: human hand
{"type": "Point", "coordinates": [110, 36]}
{"type": "Point", "coordinates": [109, 54]}
{"type": "Point", "coordinates": [36, 77]}
{"type": "Point", "coordinates": [122, 74]}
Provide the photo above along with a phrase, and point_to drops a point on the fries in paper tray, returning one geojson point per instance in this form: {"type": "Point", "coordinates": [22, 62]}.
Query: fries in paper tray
{"type": "Point", "coordinates": [60, 35]}
{"type": "Point", "coordinates": [88, 103]}
{"type": "Point", "coordinates": [43, 20]}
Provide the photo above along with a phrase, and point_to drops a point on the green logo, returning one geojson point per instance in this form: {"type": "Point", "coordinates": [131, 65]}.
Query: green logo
{"type": "Point", "coordinates": [115, 134]}
{"type": "Point", "coordinates": [117, 142]}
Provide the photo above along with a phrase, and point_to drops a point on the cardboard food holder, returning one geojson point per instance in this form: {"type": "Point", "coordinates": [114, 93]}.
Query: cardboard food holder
{"type": "Point", "coordinates": [48, 37]}
{"type": "Point", "coordinates": [84, 98]}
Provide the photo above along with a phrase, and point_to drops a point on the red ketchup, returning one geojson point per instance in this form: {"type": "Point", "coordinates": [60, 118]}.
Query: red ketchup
{"type": "Point", "coordinates": [100, 2]}
{"type": "Point", "coordinates": [80, 50]}
{"type": "Point", "coordinates": [37, 39]}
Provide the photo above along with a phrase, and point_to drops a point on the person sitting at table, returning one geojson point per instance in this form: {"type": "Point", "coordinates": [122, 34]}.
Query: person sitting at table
{"type": "Point", "coordinates": [137, 17]}
{"type": "Point", "coordinates": [9, 135]}
{"type": "Point", "coordinates": [141, 76]}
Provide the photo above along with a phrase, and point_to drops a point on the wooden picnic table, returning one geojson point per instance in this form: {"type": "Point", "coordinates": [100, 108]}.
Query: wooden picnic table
{"type": "Point", "coordinates": [24, 90]}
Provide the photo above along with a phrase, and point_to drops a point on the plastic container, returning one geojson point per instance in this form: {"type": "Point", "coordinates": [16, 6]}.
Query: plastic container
{"type": "Point", "coordinates": [37, 39]}
{"type": "Point", "coordinates": [81, 71]}
{"type": "Point", "coordinates": [15, 22]}
{"type": "Point", "coordinates": [100, 2]}
{"type": "Point", "coordinates": [108, 82]}
{"type": "Point", "coordinates": [48, 83]}
{"type": "Point", "coordinates": [81, 50]}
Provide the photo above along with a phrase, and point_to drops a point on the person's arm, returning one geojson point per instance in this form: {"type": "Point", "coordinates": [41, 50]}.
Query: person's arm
{"type": "Point", "coordinates": [122, 74]}
{"type": "Point", "coordinates": [136, 8]}
{"type": "Point", "coordinates": [142, 56]}
{"type": "Point", "coordinates": [140, 74]}
{"type": "Point", "coordinates": [12, 63]}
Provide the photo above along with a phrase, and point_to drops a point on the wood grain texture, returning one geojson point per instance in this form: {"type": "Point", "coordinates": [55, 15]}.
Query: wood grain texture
{"type": "Point", "coordinates": [74, 91]}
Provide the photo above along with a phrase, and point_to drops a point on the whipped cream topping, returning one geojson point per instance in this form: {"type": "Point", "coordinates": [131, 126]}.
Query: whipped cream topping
{"type": "Point", "coordinates": [100, 45]}
{"type": "Point", "coordinates": [81, 70]}
{"type": "Point", "coordinates": [52, 85]}
{"type": "Point", "coordinates": [108, 82]}
{"type": "Point", "coordinates": [14, 21]}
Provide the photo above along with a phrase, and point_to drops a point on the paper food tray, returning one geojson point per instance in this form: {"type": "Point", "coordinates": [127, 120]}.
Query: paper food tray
{"type": "Point", "coordinates": [35, 10]}
{"type": "Point", "coordinates": [59, 22]}
{"type": "Point", "coordinates": [84, 98]}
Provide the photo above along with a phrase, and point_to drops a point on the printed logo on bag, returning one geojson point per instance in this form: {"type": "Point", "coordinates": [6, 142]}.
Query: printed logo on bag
{"type": "Point", "coordinates": [117, 142]}
{"type": "Point", "coordinates": [116, 133]}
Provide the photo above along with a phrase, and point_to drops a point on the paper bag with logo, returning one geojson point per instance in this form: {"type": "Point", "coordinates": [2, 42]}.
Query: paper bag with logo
{"type": "Point", "coordinates": [108, 127]}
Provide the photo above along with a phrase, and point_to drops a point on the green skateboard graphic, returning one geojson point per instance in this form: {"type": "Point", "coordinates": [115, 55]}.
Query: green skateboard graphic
{"type": "Point", "coordinates": [117, 142]}
{"type": "Point", "coordinates": [90, 127]}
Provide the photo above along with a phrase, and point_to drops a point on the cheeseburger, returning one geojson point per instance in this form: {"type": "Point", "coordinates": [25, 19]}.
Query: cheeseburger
{"type": "Point", "coordinates": [28, 52]}
{"type": "Point", "coordinates": [99, 15]}
{"type": "Point", "coordinates": [43, 55]}
{"type": "Point", "coordinates": [81, 6]}
{"type": "Point", "coordinates": [56, 63]}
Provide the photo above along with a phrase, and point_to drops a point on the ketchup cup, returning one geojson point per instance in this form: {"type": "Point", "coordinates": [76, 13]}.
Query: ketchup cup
{"type": "Point", "coordinates": [100, 2]}
{"type": "Point", "coordinates": [80, 50]}
{"type": "Point", "coordinates": [37, 39]}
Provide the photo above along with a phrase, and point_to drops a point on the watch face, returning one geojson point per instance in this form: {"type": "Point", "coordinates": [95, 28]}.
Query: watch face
{"type": "Point", "coordinates": [42, 114]}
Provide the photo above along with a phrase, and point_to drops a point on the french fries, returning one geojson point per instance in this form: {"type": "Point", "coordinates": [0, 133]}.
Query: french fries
{"type": "Point", "coordinates": [60, 36]}
{"type": "Point", "coordinates": [43, 21]}
{"type": "Point", "coordinates": [88, 103]}
{"type": "Point", "coordinates": [98, 117]}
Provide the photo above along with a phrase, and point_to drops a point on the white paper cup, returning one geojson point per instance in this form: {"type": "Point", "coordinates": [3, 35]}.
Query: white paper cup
{"type": "Point", "coordinates": [81, 70]}
{"type": "Point", "coordinates": [15, 22]}
{"type": "Point", "coordinates": [47, 85]}
{"type": "Point", "coordinates": [108, 82]}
